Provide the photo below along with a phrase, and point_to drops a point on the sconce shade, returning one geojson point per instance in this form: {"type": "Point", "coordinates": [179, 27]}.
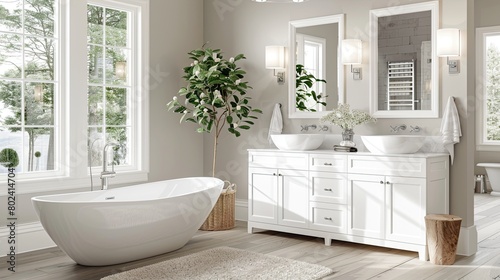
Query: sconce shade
{"type": "Point", "coordinates": [275, 57]}
{"type": "Point", "coordinates": [352, 51]}
{"type": "Point", "coordinates": [448, 42]}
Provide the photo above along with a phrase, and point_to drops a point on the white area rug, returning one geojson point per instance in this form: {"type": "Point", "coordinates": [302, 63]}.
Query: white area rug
{"type": "Point", "coordinates": [225, 263]}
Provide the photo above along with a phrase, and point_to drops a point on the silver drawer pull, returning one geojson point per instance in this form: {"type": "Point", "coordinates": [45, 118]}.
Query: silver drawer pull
{"type": "Point", "coordinates": [328, 219]}
{"type": "Point", "coordinates": [328, 164]}
{"type": "Point", "coordinates": [328, 190]}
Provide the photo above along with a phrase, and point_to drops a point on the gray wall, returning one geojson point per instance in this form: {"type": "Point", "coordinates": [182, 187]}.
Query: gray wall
{"type": "Point", "coordinates": [247, 27]}
{"type": "Point", "coordinates": [175, 148]}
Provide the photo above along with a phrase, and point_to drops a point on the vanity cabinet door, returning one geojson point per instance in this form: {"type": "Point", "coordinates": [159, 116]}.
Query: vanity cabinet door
{"type": "Point", "coordinates": [293, 207]}
{"type": "Point", "coordinates": [366, 199]}
{"type": "Point", "coordinates": [405, 212]}
{"type": "Point", "coordinates": [263, 195]}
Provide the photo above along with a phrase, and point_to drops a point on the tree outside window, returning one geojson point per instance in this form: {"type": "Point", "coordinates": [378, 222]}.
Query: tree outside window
{"type": "Point", "coordinates": [109, 92]}
{"type": "Point", "coordinates": [493, 88]}
{"type": "Point", "coordinates": [28, 82]}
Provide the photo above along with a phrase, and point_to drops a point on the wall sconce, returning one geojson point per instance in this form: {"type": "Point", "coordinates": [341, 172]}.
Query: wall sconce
{"type": "Point", "coordinates": [448, 44]}
{"type": "Point", "coordinates": [352, 54]}
{"type": "Point", "coordinates": [38, 92]}
{"type": "Point", "coordinates": [121, 69]}
{"type": "Point", "coordinates": [275, 59]}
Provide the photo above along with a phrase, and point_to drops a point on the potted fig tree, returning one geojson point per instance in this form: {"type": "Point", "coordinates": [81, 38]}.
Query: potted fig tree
{"type": "Point", "coordinates": [214, 98]}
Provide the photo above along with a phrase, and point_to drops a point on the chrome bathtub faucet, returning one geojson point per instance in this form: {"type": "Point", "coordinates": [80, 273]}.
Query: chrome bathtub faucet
{"type": "Point", "coordinates": [106, 174]}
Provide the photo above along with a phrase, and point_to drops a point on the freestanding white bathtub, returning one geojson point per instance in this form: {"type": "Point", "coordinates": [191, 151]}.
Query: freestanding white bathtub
{"type": "Point", "coordinates": [493, 171]}
{"type": "Point", "coordinates": [125, 224]}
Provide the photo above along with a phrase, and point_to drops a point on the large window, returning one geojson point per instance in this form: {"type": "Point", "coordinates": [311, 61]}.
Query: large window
{"type": "Point", "coordinates": [488, 88]}
{"type": "Point", "coordinates": [29, 88]}
{"type": "Point", "coordinates": [109, 83]}
{"type": "Point", "coordinates": [58, 112]}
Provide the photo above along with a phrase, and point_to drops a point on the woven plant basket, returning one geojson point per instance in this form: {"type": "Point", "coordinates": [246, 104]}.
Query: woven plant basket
{"type": "Point", "coordinates": [222, 215]}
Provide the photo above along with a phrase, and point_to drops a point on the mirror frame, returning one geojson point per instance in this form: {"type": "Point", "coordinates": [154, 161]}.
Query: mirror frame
{"type": "Point", "coordinates": [339, 19]}
{"type": "Point", "coordinates": [433, 7]}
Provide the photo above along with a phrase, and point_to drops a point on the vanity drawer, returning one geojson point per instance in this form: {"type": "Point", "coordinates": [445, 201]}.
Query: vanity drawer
{"type": "Point", "coordinates": [278, 160]}
{"type": "Point", "coordinates": [328, 187]}
{"type": "Point", "coordinates": [328, 217]}
{"type": "Point", "coordinates": [325, 162]}
{"type": "Point", "coordinates": [408, 166]}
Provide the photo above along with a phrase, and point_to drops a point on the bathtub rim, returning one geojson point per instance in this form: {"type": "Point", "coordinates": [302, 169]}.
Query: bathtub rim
{"type": "Point", "coordinates": [489, 164]}
{"type": "Point", "coordinates": [43, 198]}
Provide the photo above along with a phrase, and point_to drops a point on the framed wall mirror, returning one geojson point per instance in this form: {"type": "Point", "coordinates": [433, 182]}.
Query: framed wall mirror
{"type": "Point", "coordinates": [404, 78]}
{"type": "Point", "coordinates": [315, 46]}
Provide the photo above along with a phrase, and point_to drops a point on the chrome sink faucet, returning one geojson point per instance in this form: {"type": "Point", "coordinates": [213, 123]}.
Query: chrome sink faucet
{"type": "Point", "coordinates": [397, 128]}
{"type": "Point", "coordinates": [106, 174]}
{"type": "Point", "coordinates": [306, 127]}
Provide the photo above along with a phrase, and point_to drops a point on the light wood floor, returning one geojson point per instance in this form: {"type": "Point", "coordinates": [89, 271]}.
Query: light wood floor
{"type": "Point", "coordinates": [349, 260]}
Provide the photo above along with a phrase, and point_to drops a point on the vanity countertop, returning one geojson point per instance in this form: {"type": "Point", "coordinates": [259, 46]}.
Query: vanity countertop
{"type": "Point", "coordinates": [330, 151]}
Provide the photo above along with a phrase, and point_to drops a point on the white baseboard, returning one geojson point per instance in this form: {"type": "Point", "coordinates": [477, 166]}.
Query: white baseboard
{"type": "Point", "coordinates": [241, 211]}
{"type": "Point", "coordinates": [29, 237]}
{"type": "Point", "coordinates": [467, 241]}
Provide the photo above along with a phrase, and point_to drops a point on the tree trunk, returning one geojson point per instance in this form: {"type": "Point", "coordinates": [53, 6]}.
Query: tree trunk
{"type": "Point", "coordinates": [30, 150]}
{"type": "Point", "coordinates": [215, 153]}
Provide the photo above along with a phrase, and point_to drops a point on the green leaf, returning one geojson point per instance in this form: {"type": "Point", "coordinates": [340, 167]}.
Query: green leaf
{"type": "Point", "coordinates": [238, 57]}
{"type": "Point", "coordinates": [180, 109]}
{"type": "Point", "coordinates": [234, 131]}
{"type": "Point", "coordinates": [229, 119]}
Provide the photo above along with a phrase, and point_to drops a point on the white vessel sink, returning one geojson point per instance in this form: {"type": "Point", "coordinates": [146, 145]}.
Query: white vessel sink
{"type": "Point", "coordinates": [298, 142]}
{"type": "Point", "coordinates": [393, 144]}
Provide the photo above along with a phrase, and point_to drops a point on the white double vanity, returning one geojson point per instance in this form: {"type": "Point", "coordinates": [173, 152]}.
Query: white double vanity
{"type": "Point", "coordinates": [358, 197]}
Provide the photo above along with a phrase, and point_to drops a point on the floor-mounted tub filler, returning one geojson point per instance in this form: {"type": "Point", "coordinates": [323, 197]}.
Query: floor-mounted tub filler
{"type": "Point", "coordinates": [130, 223]}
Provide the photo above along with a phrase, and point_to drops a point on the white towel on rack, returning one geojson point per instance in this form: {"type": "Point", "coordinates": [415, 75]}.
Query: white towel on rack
{"type": "Point", "coordinates": [276, 125]}
{"type": "Point", "coordinates": [450, 127]}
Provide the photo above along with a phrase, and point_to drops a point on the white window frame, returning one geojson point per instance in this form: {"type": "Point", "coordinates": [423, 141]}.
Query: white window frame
{"type": "Point", "coordinates": [482, 144]}
{"type": "Point", "coordinates": [73, 172]}
{"type": "Point", "coordinates": [59, 30]}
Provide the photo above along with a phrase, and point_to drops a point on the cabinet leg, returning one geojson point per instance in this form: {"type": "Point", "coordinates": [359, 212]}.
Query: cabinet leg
{"type": "Point", "coordinates": [250, 229]}
{"type": "Point", "coordinates": [328, 241]}
{"type": "Point", "coordinates": [423, 254]}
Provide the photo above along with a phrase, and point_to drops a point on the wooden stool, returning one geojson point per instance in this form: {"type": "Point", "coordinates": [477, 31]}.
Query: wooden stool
{"type": "Point", "coordinates": [442, 237]}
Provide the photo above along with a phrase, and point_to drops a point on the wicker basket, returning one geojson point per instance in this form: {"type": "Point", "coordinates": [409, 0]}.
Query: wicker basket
{"type": "Point", "coordinates": [222, 215]}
